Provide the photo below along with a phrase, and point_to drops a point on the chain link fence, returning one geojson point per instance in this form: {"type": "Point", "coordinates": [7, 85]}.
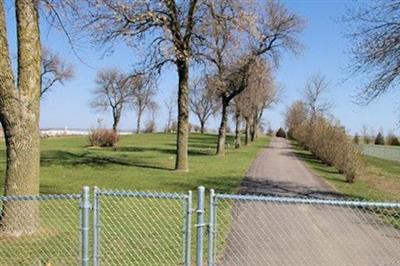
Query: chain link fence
{"type": "Point", "coordinates": [138, 228]}
{"type": "Point", "coordinates": [40, 230]}
{"type": "Point", "coordinates": [257, 230]}
{"type": "Point", "coordinates": [110, 227]}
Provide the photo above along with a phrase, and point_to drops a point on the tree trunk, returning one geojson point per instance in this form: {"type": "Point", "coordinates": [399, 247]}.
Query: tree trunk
{"type": "Point", "coordinates": [247, 133]}
{"type": "Point", "coordinates": [19, 115]}
{"type": "Point", "coordinates": [222, 128]}
{"type": "Point", "coordinates": [237, 130]}
{"type": "Point", "coordinates": [138, 121]}
{"type": "Point", "coordinates": [115, 123]}
{"type": "Point", "coordinates": [183, 116]}
{"type": "Point", "coordinates": [252, 132]}
{"type": "Point", "coordinates": [202, 127]}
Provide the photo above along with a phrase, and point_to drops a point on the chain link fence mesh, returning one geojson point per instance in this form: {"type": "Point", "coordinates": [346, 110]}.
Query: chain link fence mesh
{"type": "Point", "coordinates": [141, 228]}
{"type": "Point", "coordinates": [40, 230]}
{"type": "Point", "coordinates": [253, 230]}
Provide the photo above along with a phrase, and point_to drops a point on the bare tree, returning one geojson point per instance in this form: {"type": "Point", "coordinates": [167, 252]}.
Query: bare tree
{"type": "Point", "coordinates": [201, 102]}
{"type": "Point", "coordinates": [54, 70]}
{"type": "Point", "coordinates": [374, 30]}
{"type": "Point", "coordinates": [142, 97]}
{"type": "Point", "coordinates": [259, 31]}
{"type": "Point", "coordinates": [151, 125]}
{"type": "Point", "coordinates": [113, 91]}
{"type": "Point", "coordinates": [366, 137]}
{"type": "Point", "coordinates": [250, 104]}
{"type": "Point", "coordinates": [19, 116]}
{"type": "Point", "coordinates": [169, 30]}
{"type": "Point", "coordinates": [314, 91]}
{"type": "Point", "coordinates": [170, 104]}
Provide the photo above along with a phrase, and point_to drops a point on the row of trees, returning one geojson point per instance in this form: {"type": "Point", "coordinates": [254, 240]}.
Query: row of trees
{"type": "Point", "coordinates": [228, 37]}
{"type": "Point", "coordinates": [308, 122]}
{"type": "Point", "coordinates": [390, 139]}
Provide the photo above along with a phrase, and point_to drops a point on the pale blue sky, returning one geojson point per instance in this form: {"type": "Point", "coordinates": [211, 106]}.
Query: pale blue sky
{"type": "Point", "coordinates": [325, 47]}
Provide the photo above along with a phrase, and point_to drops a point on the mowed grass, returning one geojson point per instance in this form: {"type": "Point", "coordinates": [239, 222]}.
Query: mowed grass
{"type": "Point", "coordinates": [134, 231]}
{"type": "Point", "coordinates": [380, 180]}
{"type": "Point", "coordinates": [140, 162]}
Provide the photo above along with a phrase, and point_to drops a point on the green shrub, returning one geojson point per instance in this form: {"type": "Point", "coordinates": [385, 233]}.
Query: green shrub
{"type": "Point", "coordinates": [281, 133]}
{"type": "Point", "coordinates": [379, 139]}
{"type": "Point", "coordinates": [103, 137]}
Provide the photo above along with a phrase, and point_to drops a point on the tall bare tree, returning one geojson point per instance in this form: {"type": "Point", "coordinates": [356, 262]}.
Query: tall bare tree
{"type": "Point", "coordinates": [54, 70]}
{"type": "Point", "coordinates": [19, 116]}
{"type": "Point", "coordinates": [260, 32]}
{"type": "Point", "coordinates": [374, 30]}
{"type": "Point", "coordinates": [169, 29]}
{"type": "Point", "coordinates": [170, 104]}
{"type": "Point", "coordinates": [143, 94]}
{"type": "Point", "coordinates": [113, 91]}
{"type": "Point", "coordinates": [201, 102]}
{"type": "Point", "coordinates": [250, 104]}
{"type": "Point", "coordinates": [313, 94]}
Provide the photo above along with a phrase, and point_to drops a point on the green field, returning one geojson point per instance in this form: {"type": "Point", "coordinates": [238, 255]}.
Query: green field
{"type": "Point", "coordinates": [380, 179]}
{"type": "Point", "coordinates": [140, 162]}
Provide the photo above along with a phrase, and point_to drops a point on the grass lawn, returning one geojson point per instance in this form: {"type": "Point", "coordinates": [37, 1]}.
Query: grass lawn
{"type": "Point", "coordinates": [140, 162]}
{"type": "Point", "coordinates": [134, 231]}
{"type": "Point", "coordinates": [380, 181]}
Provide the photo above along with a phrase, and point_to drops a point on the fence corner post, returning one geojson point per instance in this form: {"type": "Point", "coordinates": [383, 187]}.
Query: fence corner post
{"type": "Point", "coordinates": [200, 225]}
{"type": "Point", "coordinates": [96, 226]}
{"type": "Point", "coordinates": [85, 209]}
{"type": "Point", "coordinates": [211, 228]}
{"type": "Point", "coordinates": [188, 230]}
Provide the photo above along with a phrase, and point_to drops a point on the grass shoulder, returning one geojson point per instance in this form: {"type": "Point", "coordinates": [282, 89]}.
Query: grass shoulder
{"type": "Point", "coordinates": [380, 181]}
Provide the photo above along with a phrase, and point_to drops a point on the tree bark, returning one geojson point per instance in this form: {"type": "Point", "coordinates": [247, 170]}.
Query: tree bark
{"type": "Point", "coordinates": [252, 131]}
{"type": "Point", "coordinates": [222, 128]}
{"type": "Point", "coordinates": [247, 133]}
{"type": "Point", "coordinates": [19, 115]}
{"type": "Point", "coordinates": [183, 116]}
{"type": "Point", "coordinates": [138, 121]}
{"type": "Point", "coordinates": [202, 127]}
{"type": "Point", "coordinates": [237, 130]}
{"type": "Point", "coordinates": [116, 119]}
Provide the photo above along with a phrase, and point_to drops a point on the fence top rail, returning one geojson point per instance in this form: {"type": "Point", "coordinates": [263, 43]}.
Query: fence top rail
{"type": "Point", "coordinates": [141, 194]}
{"type": "Point", "coordinates": [40, 197]}
{"type": "Point", "coordinates": [294, 200]}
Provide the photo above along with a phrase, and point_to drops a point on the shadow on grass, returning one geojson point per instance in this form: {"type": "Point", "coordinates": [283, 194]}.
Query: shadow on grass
{"type": "Point", "coordinates": [172, 151]}
{"type": "Point", "coordinates": [66, 158]}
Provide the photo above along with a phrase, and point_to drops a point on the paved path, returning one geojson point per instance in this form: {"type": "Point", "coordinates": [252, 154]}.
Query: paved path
{"type": "Point", "coordinates": [264, 233]}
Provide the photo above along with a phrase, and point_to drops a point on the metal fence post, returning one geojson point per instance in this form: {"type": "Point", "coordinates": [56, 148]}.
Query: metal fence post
{"type": "Point", "coordinates": [200, 225]}
{"type": "Point", "coordinates": [85, 208]}
{"type": "Point", "coordinates": [96, 227]}
{"type": "Point", "coordinates": [211, 222]}
{"type": "Point", "coordinates": [188, 230]}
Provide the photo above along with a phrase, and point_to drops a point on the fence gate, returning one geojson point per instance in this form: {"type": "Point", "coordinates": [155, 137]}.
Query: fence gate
{"type": "Point", "coordinates": [141, 228]}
